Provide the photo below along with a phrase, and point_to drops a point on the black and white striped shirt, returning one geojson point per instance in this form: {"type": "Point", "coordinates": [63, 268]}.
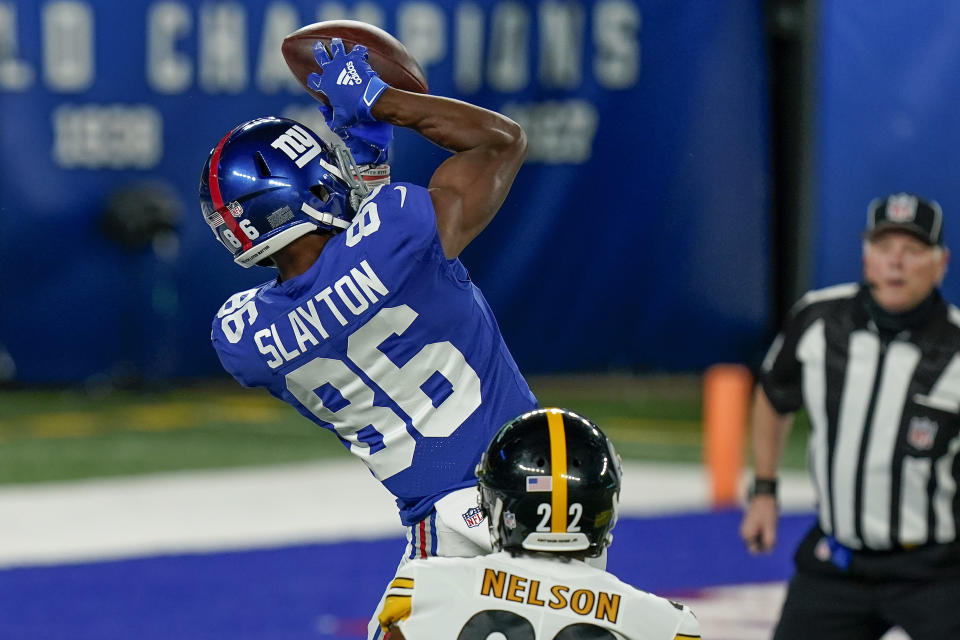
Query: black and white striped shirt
{"type": "Point", "coordinates": [884, 411]}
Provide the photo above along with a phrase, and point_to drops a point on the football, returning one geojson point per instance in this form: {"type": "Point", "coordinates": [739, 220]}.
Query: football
{"type": "Point", "coordinates": [387, 55]}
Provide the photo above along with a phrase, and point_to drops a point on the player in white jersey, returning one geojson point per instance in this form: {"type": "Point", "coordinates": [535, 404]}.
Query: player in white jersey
{"type": "Point", "coordinates": [549, 484]}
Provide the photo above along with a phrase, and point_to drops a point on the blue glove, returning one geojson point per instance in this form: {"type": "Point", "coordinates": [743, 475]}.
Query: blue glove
{"type": "Point", "coordinates": [369, 142]}
{"type": "Point", "coordinates": [347, 80]}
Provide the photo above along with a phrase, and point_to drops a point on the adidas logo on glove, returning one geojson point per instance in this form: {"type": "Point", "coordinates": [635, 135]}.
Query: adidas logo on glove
{"type": "Point", "coordinates": [349, 76]}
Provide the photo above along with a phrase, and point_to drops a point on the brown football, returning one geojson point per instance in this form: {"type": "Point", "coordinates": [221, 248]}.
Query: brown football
{"type": "Point", "coordinates": [387, 55]}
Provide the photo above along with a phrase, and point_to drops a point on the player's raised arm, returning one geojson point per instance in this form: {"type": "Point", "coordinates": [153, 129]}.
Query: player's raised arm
{"type": "Point", "coordinates": [488, 148]}
{"type": "Point", "coordinates": [467, 188]}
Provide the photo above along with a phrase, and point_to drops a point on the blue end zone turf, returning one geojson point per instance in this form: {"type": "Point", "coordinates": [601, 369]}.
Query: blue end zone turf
{"type": "Point", "coordinates": [327, 591]}
{"type": "Point", "coordinates": [677, 553]}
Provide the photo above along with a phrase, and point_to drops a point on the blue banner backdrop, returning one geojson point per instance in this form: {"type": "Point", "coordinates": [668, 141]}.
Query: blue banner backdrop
{"type": "Point", "coordinates": [889, 83]}
{"type": "Point", "coordinates": [635, 237]}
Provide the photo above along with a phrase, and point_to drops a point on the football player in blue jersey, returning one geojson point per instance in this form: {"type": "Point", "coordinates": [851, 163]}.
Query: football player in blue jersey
{"type": "Point", "coordinates": [372, 328]}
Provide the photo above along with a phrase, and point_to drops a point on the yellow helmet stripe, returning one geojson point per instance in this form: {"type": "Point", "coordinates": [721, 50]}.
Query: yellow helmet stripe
{"type": "Point", "coordinates": [558, 467]}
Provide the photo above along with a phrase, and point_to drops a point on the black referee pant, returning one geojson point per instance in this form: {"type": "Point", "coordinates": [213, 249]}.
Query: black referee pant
{"type": "Point", "coordinates": [919, 590]}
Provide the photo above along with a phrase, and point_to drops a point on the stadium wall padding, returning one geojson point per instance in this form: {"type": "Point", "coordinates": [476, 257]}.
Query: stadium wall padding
{"type": "Point", "coordinates": [635, 237]}
{"type": "Point", "coordinates": [888, 86]}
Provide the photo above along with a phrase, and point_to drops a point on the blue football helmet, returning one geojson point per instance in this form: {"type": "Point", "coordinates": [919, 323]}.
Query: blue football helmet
{"type": "Point", "coordinates": [272, 180]}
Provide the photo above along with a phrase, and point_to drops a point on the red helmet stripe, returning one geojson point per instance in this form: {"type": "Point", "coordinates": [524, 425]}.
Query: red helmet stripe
{"type": "Point", "coordinates": [217, 197]}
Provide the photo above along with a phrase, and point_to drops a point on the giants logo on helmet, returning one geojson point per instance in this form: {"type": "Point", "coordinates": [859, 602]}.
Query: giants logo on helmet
{"type": "Point", "coordinates": [298, 145]}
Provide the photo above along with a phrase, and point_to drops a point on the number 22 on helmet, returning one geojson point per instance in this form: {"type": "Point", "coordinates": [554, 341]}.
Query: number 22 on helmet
{"type": "Point", "coordinates": [550, 481]}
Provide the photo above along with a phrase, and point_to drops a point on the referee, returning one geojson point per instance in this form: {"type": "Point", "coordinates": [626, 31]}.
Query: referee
{"type": "Point", "coordinates": [876, 365]}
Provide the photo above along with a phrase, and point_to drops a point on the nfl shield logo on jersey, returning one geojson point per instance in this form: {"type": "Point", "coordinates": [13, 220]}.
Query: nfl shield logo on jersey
{"type": "Point", "coordinates": [473, 517]}
{"type": "Point", "coordinates": [922, 432]}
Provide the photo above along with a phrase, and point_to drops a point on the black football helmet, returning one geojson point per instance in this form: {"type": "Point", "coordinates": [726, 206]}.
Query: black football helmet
{"type": "Point", "coordinates": [550, 481]}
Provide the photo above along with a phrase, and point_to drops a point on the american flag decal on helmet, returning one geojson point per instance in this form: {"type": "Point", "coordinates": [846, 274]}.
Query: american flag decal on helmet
{"type": "Point", "coordinates": [215, 217]}
{"type": "Point", "coordinates": [539, 483]}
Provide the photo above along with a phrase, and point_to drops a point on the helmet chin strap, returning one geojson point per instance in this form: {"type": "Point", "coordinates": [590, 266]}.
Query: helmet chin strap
{"type": "Point", "coordinates": [324, 218]}
{"type": "Point", "coordinates": [495, 523]}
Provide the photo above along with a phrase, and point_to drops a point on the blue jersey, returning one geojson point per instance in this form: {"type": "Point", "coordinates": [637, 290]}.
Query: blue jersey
{"type": "Point", "coordinates": [388, 344]}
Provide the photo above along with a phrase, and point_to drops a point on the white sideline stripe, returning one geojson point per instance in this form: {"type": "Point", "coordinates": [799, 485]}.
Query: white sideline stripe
{"type": "Point", "coordinates": [222, 510]}
{"type": "Point", "coordinates": [192, 512]}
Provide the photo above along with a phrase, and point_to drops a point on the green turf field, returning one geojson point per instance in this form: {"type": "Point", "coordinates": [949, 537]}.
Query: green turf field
{"type": "Point", "coordinates": [64, 434]}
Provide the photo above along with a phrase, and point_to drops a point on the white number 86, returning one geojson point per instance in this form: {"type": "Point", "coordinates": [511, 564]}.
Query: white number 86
{"type": "Point", "coordinates": [248, 229]}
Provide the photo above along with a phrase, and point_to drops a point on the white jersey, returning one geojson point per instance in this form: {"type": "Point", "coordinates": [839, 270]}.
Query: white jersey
{"type": "Point", "coordinates": [529, 598]}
